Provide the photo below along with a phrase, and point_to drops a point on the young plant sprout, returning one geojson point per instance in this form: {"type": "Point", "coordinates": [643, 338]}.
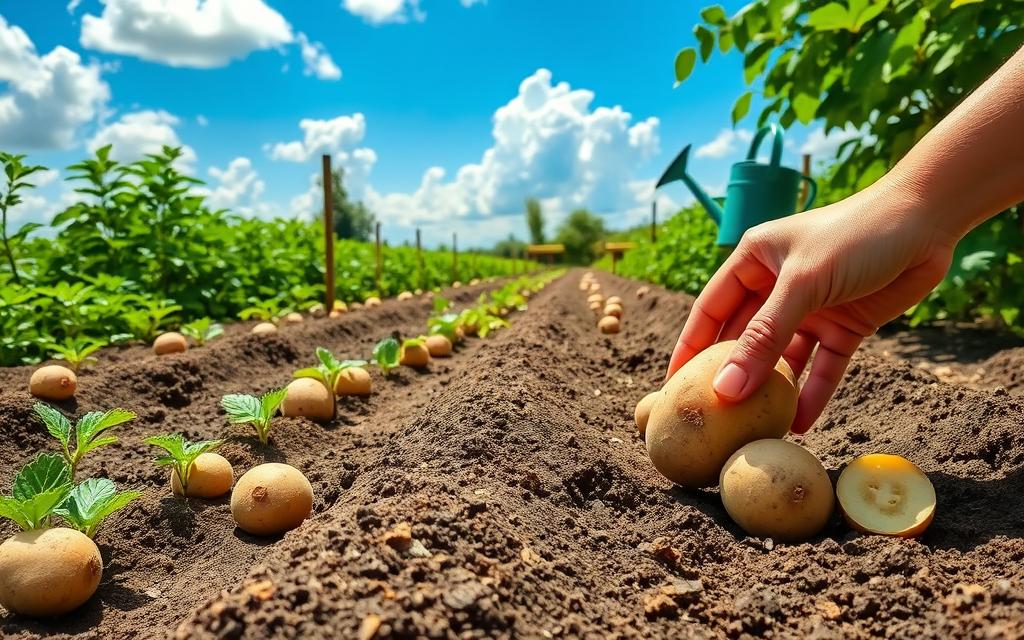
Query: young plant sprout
{"type": "Point", "coordinates": [88, 504]}
{"type": "Point", "coordinates": [77, 352]}
{"type": "Point", "coordinates": [87, 432]}
{"type": "Point", "coordinates": [39, 488]}
{"type": "Point", "coordinates": [327, 372]}
{"type": "Point", "coordinates": [242, 409]}
{"type": "Point", "coordinates": [180, 454]}
{"type": "Point", "coordinates": [387, 354]}
{"type": "Point", "coordinates": [446, 325]}
{"type": "Point", "coordinates": [202, 330]}
{"type": "Point", "coordinates": [266, 311]}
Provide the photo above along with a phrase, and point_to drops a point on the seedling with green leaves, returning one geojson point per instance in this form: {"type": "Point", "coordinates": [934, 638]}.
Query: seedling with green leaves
{"type": "Point", "coordinates": [386, 354]}
{"type": "Point", "coordinates": [328, 371]}
{"type": "Point", "coordinates": [145, 323]}
{"type": "Point", "coordinates": [39, 488]}
{"type": "Point", "coordinates": [446, 325]}
{"type": "Point", "coordinates": [87, 433]}
{"type": "Point", "coordinates": [246, 409]}
{"type": "Point", "coordinates": [89, 504]}
{"type": "Point", "coordinates": [77, 352]}
{"type": "Point", "coordinates": [202, 330]}
{"type": "Point", "coordinates": [181, 454]}
{"type": "Point", "coordinates": [266, 310]}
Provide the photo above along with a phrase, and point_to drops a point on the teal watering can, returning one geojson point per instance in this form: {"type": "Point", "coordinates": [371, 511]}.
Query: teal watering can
{"type": "Point", "coordinates": [756, 193]}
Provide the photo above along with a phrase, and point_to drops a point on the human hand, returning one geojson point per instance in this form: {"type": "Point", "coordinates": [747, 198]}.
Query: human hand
{"type": "Point", "coordinates": [826, 278]}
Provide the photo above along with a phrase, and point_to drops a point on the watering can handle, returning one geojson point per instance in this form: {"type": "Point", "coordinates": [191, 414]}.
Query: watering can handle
{"type": "Point", "coordinates": [812, 192]}
{"type": "Point", "coordinates": [777, 133]}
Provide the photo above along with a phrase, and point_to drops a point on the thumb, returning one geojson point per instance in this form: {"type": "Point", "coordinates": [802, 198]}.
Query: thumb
{"type": "Point", "coordinates": [762, 343]}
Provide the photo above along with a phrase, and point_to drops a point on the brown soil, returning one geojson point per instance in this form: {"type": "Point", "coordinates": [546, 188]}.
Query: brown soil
{"type": "Point", "coordinates": [506, 494]}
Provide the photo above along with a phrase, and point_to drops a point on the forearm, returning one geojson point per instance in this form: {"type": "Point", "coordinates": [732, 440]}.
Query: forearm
{"type": "Point", "coordinates": [970, 166]}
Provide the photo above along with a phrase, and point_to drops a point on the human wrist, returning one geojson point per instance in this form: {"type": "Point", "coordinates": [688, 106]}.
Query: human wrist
{"type": "Point", "coordinates": [922, 206]}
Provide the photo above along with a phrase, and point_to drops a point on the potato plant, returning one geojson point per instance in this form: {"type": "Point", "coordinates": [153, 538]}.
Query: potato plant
{"type": "Point", "coordinates": [76, 352]}
{"type": "Point", "coordinates": [257, 411]}
{"type": "Point", "coordinates": [387, 354]}
{"type": "Point", "coordinates": [202, 330]}
{"type": "Point", "coordinates": [180, 454]}
{"type": "Point", "coordinates": [327, 373]}
{"type": "Point", "coordinates": [39, 488]}
{"type": "Point", "coordinates": [87, 434]}
{"type": "Point", "coordinates": [91, 502]}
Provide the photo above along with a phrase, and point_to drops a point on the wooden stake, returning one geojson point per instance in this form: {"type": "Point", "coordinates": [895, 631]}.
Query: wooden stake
{"type": "Point", "coordinates": [455, 257]}
{"type": "Point", "coordinates": [803, 186]}
{"type": "Point", "coordinates": [419, 256]}
{"type": "Point", "coordinates": [379, 261]}
{"type": "Point", "coordinates": [654, 222]}
{"type": "Point", "coordinates": [328, 235]}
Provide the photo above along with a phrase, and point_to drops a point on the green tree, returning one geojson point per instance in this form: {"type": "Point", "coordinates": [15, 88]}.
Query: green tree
{"type": "Point", "coordinates": [535, 220]}
{"type": "Point", "coordinates": [890, 69]}
{"type": "Point", "coordinates": [16, 172]}
{"type": "Point", "coordinates": [580, 231]}
{"type": "Point", "coordinates": [352, 220]}
{"type": "Point", "coordinates": [510, 247]}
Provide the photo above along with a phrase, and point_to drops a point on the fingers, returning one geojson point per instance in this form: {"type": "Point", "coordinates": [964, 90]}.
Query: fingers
{"type": "Point", "coordinates": [766, 336]}
{"type": "Point", "coordinates": [799, 352]}
{"type": "Point", "coordinates": [837, 345]}
{"type": "Point", "coordinates": [723, 295]}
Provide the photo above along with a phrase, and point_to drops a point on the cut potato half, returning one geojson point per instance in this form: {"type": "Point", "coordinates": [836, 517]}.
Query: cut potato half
{"type": "Point", "coordinates": [886, 494]}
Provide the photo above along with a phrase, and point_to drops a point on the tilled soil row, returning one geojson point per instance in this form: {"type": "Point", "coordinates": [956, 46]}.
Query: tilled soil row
{"type": "Point", "coordinates": [162, 555]}
{"type": "Point", "coordinates": [519, 503]}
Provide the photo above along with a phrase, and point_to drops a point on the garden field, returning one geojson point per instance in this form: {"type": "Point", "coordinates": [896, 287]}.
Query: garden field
{"type": "Point", "coordinates": [506, 492]}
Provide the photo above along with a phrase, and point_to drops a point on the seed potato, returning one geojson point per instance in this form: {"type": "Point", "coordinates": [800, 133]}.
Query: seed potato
{"type": "Point", "coordinates": [53, 382]}
{"type": "Point", "coordinates": [353, 381]}
{"type": "Point", "coordinates": [439, 346]}
{"type": "Point", "coordinates": [371, 302]}
{"type": "Point", "coordinates": [170, 342]}
{"type": "Point", "coordinates": [48, 572]}
{"type": "Point", "coordinates": [270, 499]}
{"type": "Point", "coordinates": [415, 355]}
{"type": "Point", "coordinates": [613, 310]}
{"type": "Point", "coordinates": [886, 494]}
{"type": "Point", "coordinates": [777, 489]}
{"type": "Point", "coordinates": [293, 318]}
{"type": "Point", "coordinates": [692, 432]}
{"type": "Point", "coordinates": [405, 295]}
{"type": "Point", "coordinates": [642, 413]}
{"type": "Point", "coordinates": [211, 476]}
{"type": "Point", "coordinates": [264, 328]}
{"type": "Point", "coordinates": [308, 398]}
{"type": "Point", "coordinates": [609, 324]}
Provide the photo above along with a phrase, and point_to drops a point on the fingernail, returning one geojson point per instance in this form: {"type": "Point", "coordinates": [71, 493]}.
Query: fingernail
{"type": "Point", "coordinates": [730, 381]}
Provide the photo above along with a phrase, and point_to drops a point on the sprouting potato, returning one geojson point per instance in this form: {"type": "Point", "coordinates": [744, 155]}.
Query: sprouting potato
{"type": "Point", "coordinates": [886, 494]}
{"type": "Point", "coordinates": [270, 499]}
{"type": "Point", "coordinates": [318, 311]}
{"type": "Point", "coordinates": [264, 328]}
{"type": "Point", "coordinates": [776, 489]}
{"type": "Point", "coordinates": [439, 346]}
{"type": "Point", "coordinates": [415, 355]}
{"type": "Point", "coordinates": [48, 572]}
{"type": "Point", "coordinates": [643, 411]}
{"type": "Point", "coordinates": [170, 342]}
{"type": "Point", "coordinates": [211, 476]}
{"type": "Point", "coordinates": [353, 381]}
{"type": "Point", "coordinates": [53, 382]}
{"type": "Point", "coordinates": [692, 432]}
{"type": "Point", "coordinates": [609, 324]}
{"type": "Point", "coordinates": [293, 318]}
{"type": "Point", "coordinates": [309, 398]}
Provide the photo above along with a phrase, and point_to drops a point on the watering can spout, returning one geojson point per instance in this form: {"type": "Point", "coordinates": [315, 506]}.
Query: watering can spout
{"type": "Point", "coordinates": [677, 171]}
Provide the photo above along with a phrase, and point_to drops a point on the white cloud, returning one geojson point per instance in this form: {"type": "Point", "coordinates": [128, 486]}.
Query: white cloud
{"type": "Point", "coordinates": [239, 188]}
{"type": "Point", "coordinates": [47, 98]}
{"type": "Point", "coordinates": [185, 33]}
{"type": "Point", "coordinates": [73, 4]}
{"type": "Point", "coordinates": [321, 136]}
{"type": "Point", "coordinates": [822, 146]}
{"type": "Point", "coordinates": [384, 11]}
{"type": "Point", "coordinates": [139, 133]}
{"type": "Point", "coordinates": [724, 144]}
{"type": "Point", "coordinates": [201, 120]}
{"type": "Point", "coordinates": [317, 61]}
{"type": "Point", "coordinates": [548, 143]}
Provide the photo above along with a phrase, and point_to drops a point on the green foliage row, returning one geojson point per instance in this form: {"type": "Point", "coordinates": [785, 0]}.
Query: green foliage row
{"type": "Point", "coordinates": [141, 252]}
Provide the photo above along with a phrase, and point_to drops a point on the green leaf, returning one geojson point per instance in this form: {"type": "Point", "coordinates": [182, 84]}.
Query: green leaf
{"type": "Point", "coordinates": [92, 424]}
{"type": "Point", "coordinates": [40, 506]}
{"type": "Point", "coordinates": [311, 372]}
{"type": "Point", "coordinates": [868, 14]}
{"type": "Point", "coordinates": [714, 14]}
{"type": "Point", "coordinates": [173, 444]}
{"type": "Point", "coordinates": [56, 423]}
{"type": "Point", "coordinates": [386, 354]}
{"type": "Point", "coordinates": [948, 57]}
{"type": "Point", "coordinates": [956, 4]}
{"type": "Point", "coordinates": [327, 358]}
{"type": "Point", "coordinates": [47, 472]}
{"type": "Point", "coordinates": [831, 17]}
{"type": "Point", "coordinates": [440, 304]}
{"type": "Point", "coordinates": [270, 402]}
{"type": "Point", "coordinates": [10, 508]}
{"type": "Point", "coordinates": [88, 504]}
{"type": "Point", "coordinates": [685, 60]}
{"type": "Point", "coordinates": [242, 408]}
{"type": "Point", "coordinates": [707, 45]}
{"type": "Point", "coordinates": [741, 107]}
{"type": "Point", "coordinates": [805, 106]}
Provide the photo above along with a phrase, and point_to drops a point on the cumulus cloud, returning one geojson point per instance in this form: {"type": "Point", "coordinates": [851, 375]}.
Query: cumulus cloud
{"type": "Point", "coordinates": [239, 188]}
{"type": "Point", "coordinates": [548, 143]}
{"type": "Point", "coordinates": [319, 137]}
{"type": "Point", "coordinates": [47, 98]}
{"type": "Point", "coordinates": [824, 146]}
{"type": "Point", "coordinates": [185, 33]}
{"type": "Point", "coordinates": [317, 62]}
{"type": "Point", "coordinates": [725, 143]}
{"type": "Point", "coordinates": [136, 134]}
{"type": "Point", "coordinates": [384, 11]}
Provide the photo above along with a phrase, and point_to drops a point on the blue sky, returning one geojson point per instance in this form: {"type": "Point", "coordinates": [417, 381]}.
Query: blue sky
{"type": "Point", "coordinates": [445, 112]}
